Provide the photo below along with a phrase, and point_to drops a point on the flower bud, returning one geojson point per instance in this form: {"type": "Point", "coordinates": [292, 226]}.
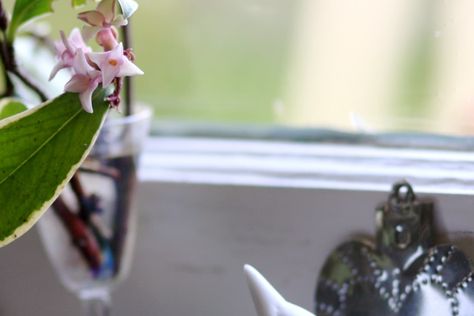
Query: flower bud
{"type": "Point", "coordinates": [107, 38]}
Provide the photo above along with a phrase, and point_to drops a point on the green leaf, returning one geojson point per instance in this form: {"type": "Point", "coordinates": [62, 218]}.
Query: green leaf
{"type": "Point", "coordinates": [26, 10]}
{"type": "Point", "coordinates": [128, 7]}
{"type": "Point", "coordinates": [9, 107]}
{"type": "Point", "coordinates": [40, 150]}
{"type": "Point", "coordinates": [78, 3]}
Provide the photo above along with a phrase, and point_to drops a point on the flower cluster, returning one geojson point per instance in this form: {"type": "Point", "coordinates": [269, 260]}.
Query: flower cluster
{"type": "Point", "coordinates": [90, 68]}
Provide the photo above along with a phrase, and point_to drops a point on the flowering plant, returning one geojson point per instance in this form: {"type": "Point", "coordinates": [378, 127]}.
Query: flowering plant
{"type": "Point", "coordinates": [41, 147]}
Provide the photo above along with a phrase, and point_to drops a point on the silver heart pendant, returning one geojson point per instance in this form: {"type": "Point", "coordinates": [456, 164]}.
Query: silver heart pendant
{"type": "Point", "coordinates": [401, 271]}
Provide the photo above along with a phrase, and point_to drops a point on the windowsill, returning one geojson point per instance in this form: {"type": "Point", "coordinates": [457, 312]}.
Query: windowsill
{"type": "Point", "coordinates": [344, 166]}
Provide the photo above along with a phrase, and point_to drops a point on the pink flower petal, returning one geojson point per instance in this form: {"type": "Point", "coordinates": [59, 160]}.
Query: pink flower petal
{"type": "Point", "coordinates": [117, 52]}
{"type": "Point", "coordinates": [85, 86]}
{"type": "Point", "coordinates": [78, 83]}
{"type": "Point", "coordinates": [89, 32]}
{"type": "Point", "coordinates": [65, 42]}
{"type": "Point", "coordinates": [86, 96]}
{"type": "Point", "coordinates": [129, 69]}
{"type": "Point", "coordinates": [98, 58]}
{"type": "Point", "coordinates": [80, 64]}
{"type": "Point", "coordinates": [59, 65]}
{"type": "Point", "coordinates": [67, 49]}
{"type": "Point", "coordinates": [109, 63]}
{"type": "Point", "coordinates": [76, 41]}
{"type": "Point", "coordinates": [109, 73]}
{"type": "Point", "coordinates": [93, 18]}
{"type": "Point", "coordinates": [114, 64]}
{"type": "Point", "coordinates": [60, 48]}
{"type": "Point", "coordinates": [107, 9]}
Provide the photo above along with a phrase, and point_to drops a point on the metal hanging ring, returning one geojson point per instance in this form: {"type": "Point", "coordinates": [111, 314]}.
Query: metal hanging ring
{"type": "Point", "coordinates": [402, 193]}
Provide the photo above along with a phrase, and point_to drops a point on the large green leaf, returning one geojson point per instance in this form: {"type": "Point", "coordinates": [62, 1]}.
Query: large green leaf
{"type": "Point", "coordinates": [40, 149]}
{"type": "Point", "coordinates": [26, 10]}
{"type": "Point", "coordinates": [9, 107]}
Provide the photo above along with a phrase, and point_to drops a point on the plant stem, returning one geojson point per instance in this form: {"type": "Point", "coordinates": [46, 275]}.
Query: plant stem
{"type": "Point", "coordinates": [9, 88]}
{"type": "Point", "coordinates": [78, 232]}
{"type": "Point", "coordinates": [7, 54]}
{"type": "Point", "coordinates": [128, 81]}
{"type": "Point", "coordinates": [77, 187]}
{"type": "Point", "coordinates": [81, 197]}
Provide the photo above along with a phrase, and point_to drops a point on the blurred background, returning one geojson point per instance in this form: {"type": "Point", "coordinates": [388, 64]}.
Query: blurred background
{"type": "Point", "coordinates": [358, 66]}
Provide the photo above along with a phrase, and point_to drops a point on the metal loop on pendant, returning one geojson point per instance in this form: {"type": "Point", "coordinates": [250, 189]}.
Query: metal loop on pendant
{"type": "Point", "coordinates": [402, 194]}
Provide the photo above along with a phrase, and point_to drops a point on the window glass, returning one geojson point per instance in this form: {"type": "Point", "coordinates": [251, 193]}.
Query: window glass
{"type": "Point", "coordinates": [363, 65]}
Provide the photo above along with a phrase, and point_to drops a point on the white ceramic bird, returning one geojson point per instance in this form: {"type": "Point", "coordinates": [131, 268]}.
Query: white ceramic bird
{"type": "Point", "coordinates": [267, 300]}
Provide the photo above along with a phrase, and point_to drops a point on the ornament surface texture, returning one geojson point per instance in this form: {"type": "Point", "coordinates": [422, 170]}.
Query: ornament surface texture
{"type": "Point", "coordinates": [400, 272]}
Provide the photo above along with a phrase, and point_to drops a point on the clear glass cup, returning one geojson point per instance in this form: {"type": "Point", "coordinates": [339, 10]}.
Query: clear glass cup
{"type": "Point", "coordinates": [89, 232]}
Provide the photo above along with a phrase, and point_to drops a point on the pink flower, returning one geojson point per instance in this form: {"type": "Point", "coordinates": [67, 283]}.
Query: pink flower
{"type": "Point", "coordinates": [85, 80]}
{"type": "Point", "coordinates": [103, 17]}
{"type": "Point", "coordinates": [66, 50]}
{"type": "Point", "coordinates": [113, 64]}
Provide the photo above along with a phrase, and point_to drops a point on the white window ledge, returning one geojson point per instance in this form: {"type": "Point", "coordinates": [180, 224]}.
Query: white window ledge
{"type": "Point", "coordinates": [305, 165]}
